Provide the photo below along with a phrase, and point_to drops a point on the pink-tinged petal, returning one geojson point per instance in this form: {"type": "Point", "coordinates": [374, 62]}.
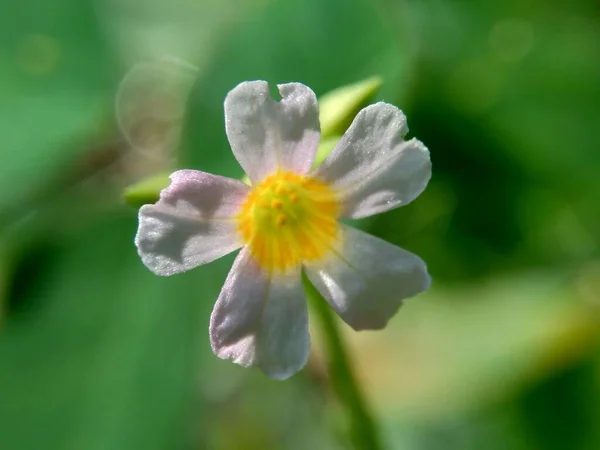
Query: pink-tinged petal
{"type": "Point", "coordinates": [365, 278]}
{"type": "Point", "coordinates": [193, 222]}
{"type": "Point", "coordinates": [372, 166]}
{"type": "Point", "coordinates": [260, 320]}
{"type": "Point", "coordinates": [266, 134]}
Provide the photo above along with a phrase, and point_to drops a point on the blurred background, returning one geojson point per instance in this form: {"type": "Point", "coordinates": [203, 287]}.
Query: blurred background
{"type": "Point", "coordinates": [96, 353]}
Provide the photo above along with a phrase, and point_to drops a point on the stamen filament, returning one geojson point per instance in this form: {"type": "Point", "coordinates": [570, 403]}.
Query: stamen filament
{"type": "Point", "coordinates": [288, 219]}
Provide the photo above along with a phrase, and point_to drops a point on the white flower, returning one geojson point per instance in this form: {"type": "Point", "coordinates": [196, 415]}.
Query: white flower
{"type": "Point", "coordinates": [288, 222]}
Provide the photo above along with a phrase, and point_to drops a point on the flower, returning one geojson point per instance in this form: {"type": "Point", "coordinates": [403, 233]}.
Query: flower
{"type": "Point", "coordinates": [288, 222]}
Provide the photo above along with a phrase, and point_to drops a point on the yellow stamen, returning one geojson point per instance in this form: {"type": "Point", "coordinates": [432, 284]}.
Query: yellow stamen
{"type": "Point", "coordinates": [281, 220]}
{"type": "Point", "coordinates": [288, 219]}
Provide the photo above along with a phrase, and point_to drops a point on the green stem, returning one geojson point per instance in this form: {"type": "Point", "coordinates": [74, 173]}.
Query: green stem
{"type": "Point", "coordinates": [363, 428]}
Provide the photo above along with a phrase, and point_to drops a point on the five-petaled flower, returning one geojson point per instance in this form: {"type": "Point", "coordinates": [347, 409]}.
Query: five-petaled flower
{"type": "Point", "coordinates": [287, 221]}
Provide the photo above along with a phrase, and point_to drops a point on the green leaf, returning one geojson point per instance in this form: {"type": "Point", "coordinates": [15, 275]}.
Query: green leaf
{"type": "Point", "coordinates": [55, 82]}
{"type": "Point", "coordinates": [106, 354]}
{"type": "Point", "coordinates": [451, 351]}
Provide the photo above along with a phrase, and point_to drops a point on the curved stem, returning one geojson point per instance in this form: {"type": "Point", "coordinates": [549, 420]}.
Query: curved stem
{"type": "Point", "coordinates": [363, 428]}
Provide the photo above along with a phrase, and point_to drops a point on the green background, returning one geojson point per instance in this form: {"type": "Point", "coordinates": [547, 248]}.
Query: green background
{"type": "Point", "coordinates": [501, 353]}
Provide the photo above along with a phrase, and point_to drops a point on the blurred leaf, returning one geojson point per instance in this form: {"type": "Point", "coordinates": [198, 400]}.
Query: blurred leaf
{"type": "Point", "coordinates": [504, 97]}
{"type": "Point", "coordinates": [53, 87]}
{"type": "Point", "coordinates": [105, 354]}
{"type": "Point", "coordinates": [453, 351]}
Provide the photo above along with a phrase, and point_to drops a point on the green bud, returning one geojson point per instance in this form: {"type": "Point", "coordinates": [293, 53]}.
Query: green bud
{"type": "Point", "coordinates": [146, 191]}
{"type": "Point", "coordinates": [325, 148]}
{"type": "Point", "coordinates": [338, 107]}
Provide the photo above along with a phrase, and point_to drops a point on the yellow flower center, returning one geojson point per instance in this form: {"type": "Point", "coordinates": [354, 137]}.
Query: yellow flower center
{"type": "Point", "coordinates": [288, 219]}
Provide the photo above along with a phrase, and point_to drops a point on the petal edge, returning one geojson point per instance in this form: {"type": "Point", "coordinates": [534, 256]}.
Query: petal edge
{"type": "Point", "coordinates": [261, 321]}
{"type": "Point", "coordinates": [366, 279]}
{"type": "Point", "coordinates": [191, 224]}
{"type": "Point", "coordinates": [372, 166]}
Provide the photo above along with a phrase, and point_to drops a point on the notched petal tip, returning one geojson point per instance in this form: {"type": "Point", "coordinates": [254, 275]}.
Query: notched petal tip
{"type": "Point", "coordinates": [247, 90]}
{"type": "Point", "coordinates": [266, 134]}
{"type": "Point", "coordinates": [302, 96]}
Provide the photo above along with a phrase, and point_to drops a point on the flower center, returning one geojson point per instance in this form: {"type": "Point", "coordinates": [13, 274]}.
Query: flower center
{"type": "Point", "coordinates": [288, 219]}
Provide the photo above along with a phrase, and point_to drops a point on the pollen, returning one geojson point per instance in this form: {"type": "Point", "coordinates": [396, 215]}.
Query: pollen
{"type": "Point", "coordinates": [288, 219]}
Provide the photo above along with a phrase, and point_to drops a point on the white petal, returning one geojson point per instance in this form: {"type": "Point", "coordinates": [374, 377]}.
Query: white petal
{"type": "Point", "coordinates": [192, 223]}
{"type": "Point", "coordinates": [260, 320]}
{"type": "Point", "coordinates": [372, 167]}
{"type": "Point", "coordinates": [365, 279]}
{"type": "Point", "coordinates": [265, 134]}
